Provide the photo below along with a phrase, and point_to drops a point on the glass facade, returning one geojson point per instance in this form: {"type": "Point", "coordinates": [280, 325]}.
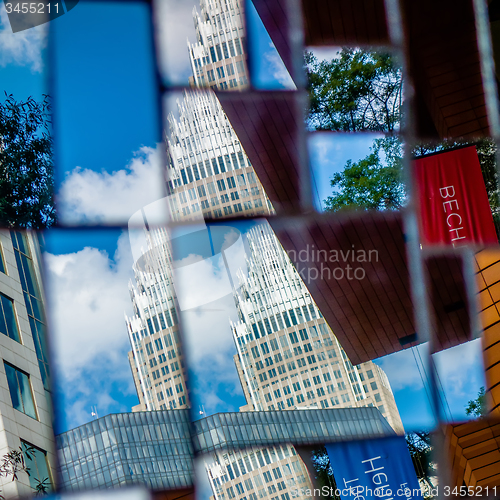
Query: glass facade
{"type": "Point", "coordinates": [20, 390]}
{"type": "Point", "coordinates": [155, 448]}
{"type": "Point", "coordinates": [33, 301]}
{"type": "Point", "coordinates": [36, 460]}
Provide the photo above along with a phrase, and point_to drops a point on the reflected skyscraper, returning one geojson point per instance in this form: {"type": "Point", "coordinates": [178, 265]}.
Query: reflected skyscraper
{"type": "Point", "coordinates": [286, 356]}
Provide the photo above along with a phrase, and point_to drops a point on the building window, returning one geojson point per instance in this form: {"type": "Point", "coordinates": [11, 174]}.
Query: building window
{"type": "Point", "coordinates": [2, 264]}
{"type": "Point", "coordinates": [378, 399]}
{"type": "Point", "coordinates": [8, 324]}
{"type": "Point", "coordinates": [36, 460]}
{"type": "Point", "coordinates": [33, 301]}
{"type": "Point", "coordinates": [20, 390]}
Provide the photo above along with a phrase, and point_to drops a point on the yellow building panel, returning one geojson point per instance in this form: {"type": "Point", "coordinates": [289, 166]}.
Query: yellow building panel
{"type": "Point", "coordinates": [486, 258]}
{"type": "Point", "coordinates": [495, 292]}
{"type": "Point", "coordinates": [491, 274]}
{"type": "Point", "coordinates": [485, 299]}
{"type": "Point", "coordinates": [489, 316]}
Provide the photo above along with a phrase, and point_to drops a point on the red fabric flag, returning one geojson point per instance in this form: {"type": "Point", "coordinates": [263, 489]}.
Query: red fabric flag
{"type": "Point", "coordinates": [453, 203]}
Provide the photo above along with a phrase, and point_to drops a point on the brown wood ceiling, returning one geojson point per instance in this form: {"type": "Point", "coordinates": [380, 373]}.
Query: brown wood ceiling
{"type": "Point", "coordinates": [373, 316]}
{"type": "Point", "coordinates": [474, 451]}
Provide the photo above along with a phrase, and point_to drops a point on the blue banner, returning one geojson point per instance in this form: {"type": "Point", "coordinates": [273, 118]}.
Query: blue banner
{"type": "Point", "coordinates": [375, 469]}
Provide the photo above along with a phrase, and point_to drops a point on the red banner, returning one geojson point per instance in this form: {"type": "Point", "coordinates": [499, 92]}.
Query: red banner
{"type": "Point", "coordinates": [454, 206]}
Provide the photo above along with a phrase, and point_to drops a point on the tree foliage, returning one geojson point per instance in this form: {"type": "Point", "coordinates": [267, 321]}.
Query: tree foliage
{"type": "Point", "coordinates": [323, 472]}
{"type": "Point", "coordinates": [477, 407]}
{"type": "Point", "coordinates": [357, 90]}
{"type": "Point", "coordinates": [14, 462]}
{"type": "Point", "coordinates": [419, 446]}
{"type": "Point", "coordinates": [373, 182]}
{"type": "Point", "coordinates": [26, 167]}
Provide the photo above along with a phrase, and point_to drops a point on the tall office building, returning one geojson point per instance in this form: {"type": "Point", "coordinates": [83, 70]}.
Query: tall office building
{"type": "Point", "coordinates": [25, 407]}
{"type": "Point", "coordinates": [209, 174]}
{"type": "Point", "coordinates": [217, 58]}
{"type": "Point", "coordinates": [156, 358]}
{"type": "Point", "coordinates": [287, 355]}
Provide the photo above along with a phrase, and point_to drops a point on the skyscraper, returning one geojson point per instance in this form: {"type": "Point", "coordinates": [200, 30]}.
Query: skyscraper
{"type": "Point", "coordinates": [217, 58]}
{"type": "Point", "coordinates": [209, 174]}
{"type": "Point", "coordinates": [287, 355]}
{"type": "Point", "coordinates": [25, 407]}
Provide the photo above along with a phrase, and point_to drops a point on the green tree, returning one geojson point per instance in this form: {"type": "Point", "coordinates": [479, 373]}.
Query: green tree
{"type": "Point", "coordinates": [373, 182]}
{"type": "Point", "coordinates": [357, 90]}
{"type": "Point", "coordinates": [26, 167]}
{"type": "Point", "coordinates": [477, 407]}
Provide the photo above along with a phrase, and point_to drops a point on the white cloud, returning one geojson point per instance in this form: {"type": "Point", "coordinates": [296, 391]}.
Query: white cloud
{"type": "Point", "coordinates": [461, 369]}
{"type": "Point", "coordinates": [23, 48]}
{"type": "Point", "coordinates": [325, 53]}
{"type": "Point", "coordinates": [278, 68]}
{"type": "Point", "coordinates": [410, 377]}
{"type": "Point", "coordinates": [87, 298]}
{"type": "Point", "coordinates": [210, 349]}
{"type": "Point", "coordinates": [175, 26]}
{"type": "Point", "coordinates": [87, 196]}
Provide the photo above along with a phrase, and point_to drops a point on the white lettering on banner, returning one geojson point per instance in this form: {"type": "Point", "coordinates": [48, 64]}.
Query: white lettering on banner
{"type": "Point", "coordinates": [383, 490]}
{"type": "Point", "coordinates": [449, 192]}
{"type": "Point", "coordinates": [354, 490]}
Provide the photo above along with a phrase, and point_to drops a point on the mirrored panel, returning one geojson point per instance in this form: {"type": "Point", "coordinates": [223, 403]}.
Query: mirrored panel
{"type": "Point", "coordinates": [409, 379]}
{"type": "Point", "coordinates": [342, 23]}
{"type": "Point", "coordinates": [354, 89]}
{"type": "Point", "coordinates": [450, 300]}
{"type": "Point", "coordinates": [268, 25]}
{"type": "Point", "coordinates": [276, 471]}
{"type": "Point", "coordinates": [108, 150]}
{"type": "Point", "coordinates": [25, 124]}
{"type": "Point", "coordinates": [460, 382]}
{"type": "Point", "coordinates": [202, 44]}
{"type": "Point", "coordinates": [87, 274]}
{"type": "Point", "coordinates": [356, 171]}
{"type": "Point", "coordinates": [445, 68]}
{"type": "Point", "coordinates": [209, 173]}
{"type": "Point", "coordinates": [456, 193]}
{"type": "Point", "coordinates": [270, 128]}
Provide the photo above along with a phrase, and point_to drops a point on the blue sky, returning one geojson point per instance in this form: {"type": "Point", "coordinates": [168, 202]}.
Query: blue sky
{"type": "Point", "coordinates": [109, 160]}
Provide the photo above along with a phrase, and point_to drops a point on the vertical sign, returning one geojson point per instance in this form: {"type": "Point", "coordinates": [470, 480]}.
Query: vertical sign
{"type": "Point", "coordinates": [380, 469]}
{"type": "Point", "coordinates": [454, 206]}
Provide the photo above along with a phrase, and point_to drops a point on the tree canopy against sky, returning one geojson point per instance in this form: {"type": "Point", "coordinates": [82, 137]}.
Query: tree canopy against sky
{"type": "Point", "coordinates": [361, 90]}
{"type": "Point", "coordinates": [26, 165]}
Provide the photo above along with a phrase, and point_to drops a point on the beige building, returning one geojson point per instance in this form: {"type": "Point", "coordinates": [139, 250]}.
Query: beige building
{"type": "Point", "coordinates": [276, 473]}
{"type": "Point", "coordinates": [25, 407]}
{"type": "Point", "coordinates": [287, 356]}
{"type": "Point", "coordinates": [218, 57]}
